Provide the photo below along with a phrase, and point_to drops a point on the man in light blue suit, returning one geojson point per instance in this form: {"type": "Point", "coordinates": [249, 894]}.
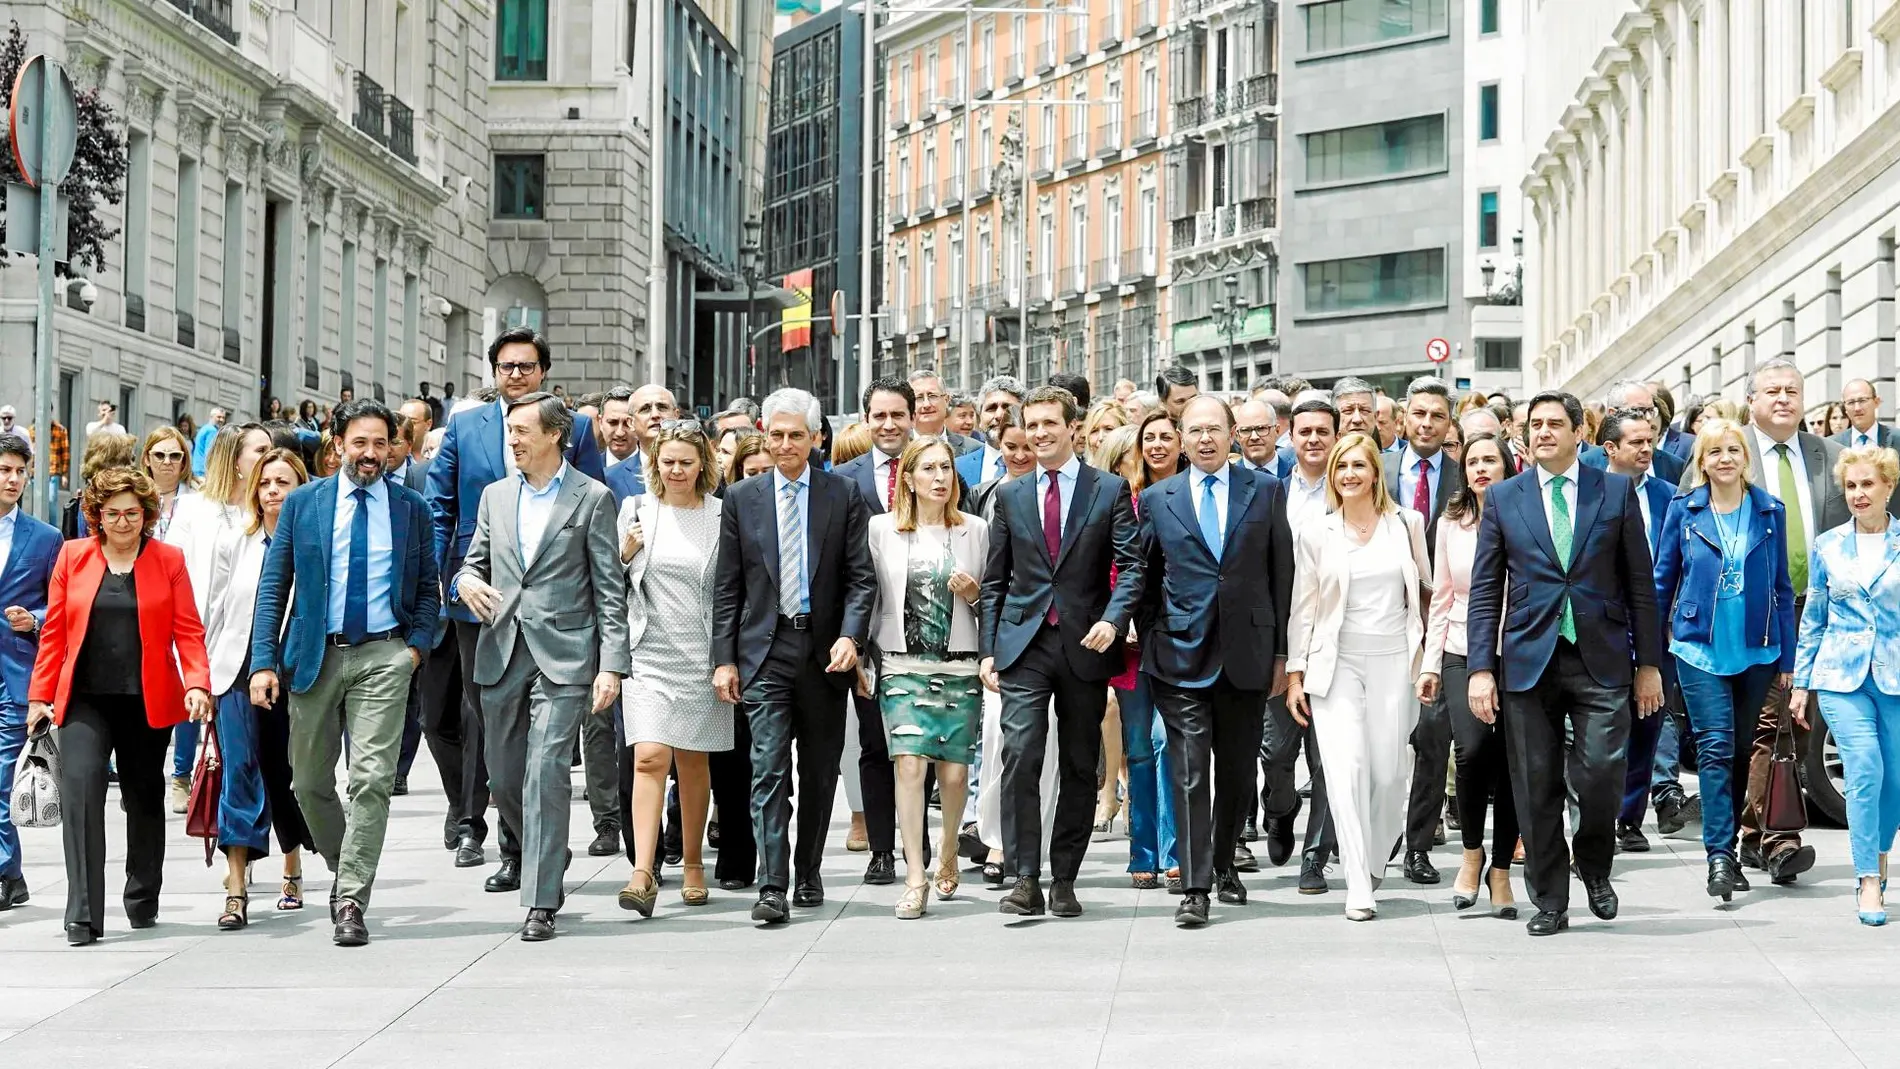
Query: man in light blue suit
{"type": "Point", "coordinates": [28, 548]}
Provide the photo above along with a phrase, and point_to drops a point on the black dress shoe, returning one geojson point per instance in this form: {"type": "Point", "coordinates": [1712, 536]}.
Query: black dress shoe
{"type": "Point", "coordinates": [79, 935]}
{"type": "Point", "coordinates": [1548, 922]}
{"type": "Point", "coordinates": [451, 832]}
{"type": "Point", "coordinates": [1062, 901]}
{"type": "Point", "coordinates": [1630, 838]}
{"type": "Point", "coordinates": [1602, 897]}
{"type": "Point", "coordinates": [1671, 813]}
{"type": "Point", "coordinates": [1229, 889]}
{"type": "Point", "coordinates": [1313, 873]}
{"type": "Point", "coordinates": [12, 892]}
{"type": "Point", "coordinates": [143, 919]}
{"type": "Point", "coordinates": [350, 929]}
{"type": "Point", "coordinates": [400, 787]}
{"type": "Point", "coordinates": [770, 908]}
{"type": "Point", "coordinates": [1244, 859]}
{"type": "Point", "coordinates": [1750, 857]}
{"type": "Point", "coordinates": [539, 927]}
{"type": "Point", "coordinates": [1723, 874]}
{"type": "Point", "coordinates": [809, 894]}
{"type": "Point", "coordinates": [1024, 899]}
{"type": "Point", "coordinates": [1279, 839]}
{"type": "Point", "coordinates": [1192, 912]}
{"type": "Point", "coordinates": [1249, 832]}
{"type": "Point", "coordinates": [1419, 868]}
{"type": "Point", "coordinates": [882, 869]}
{"type": "Point", "coordinates": [1439, 838]}
{"type": "Point", "coordinates": [468, 853]}
{"type": "Point", "coordinates": [1741, 879]}
{"type": "Point", "coordinates": [1789, 863]}
{"type": "Point", "coordinates": [605, 844]}
{"type": "Point", "coordinates": [506, 878]}
{"type": "Point", "coordinates": [734, 883]}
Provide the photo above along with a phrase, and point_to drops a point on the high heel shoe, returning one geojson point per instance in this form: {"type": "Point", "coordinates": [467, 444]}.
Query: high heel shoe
{"type": "Point", "coordinates": [637, 898]}
{"type": "Point", "coordinates": [948, 878]}
{"type": "Point", "coordinates": [911, 904]}
{"type": "Point", "coordinates": [1462, 899]}
{"type": "Point", "coordinates": [693, 896]}
{"type": "Point", "coordinates": [1503, 902]}
{"type": "Point", "coordinates": [237, 912]}
{"type": "Point", "coordinates": [1872, 918]}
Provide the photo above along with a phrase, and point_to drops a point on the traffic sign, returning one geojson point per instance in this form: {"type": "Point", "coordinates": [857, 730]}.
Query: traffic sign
{"type": "Point", "coordinates": [1438, 350]}
{"type": "Point", "coordinates": [43, 103]}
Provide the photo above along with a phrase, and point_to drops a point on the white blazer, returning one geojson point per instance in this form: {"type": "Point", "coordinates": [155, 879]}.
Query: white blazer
{"type": "Point", "coordinates": [206, 530]}
{"type": "Point", "coordinates": [233, 607]}
{"type": "Point", "coordinates": [1321, 574]}
{"type": "Point", "coordinates": [645, 509]}
{"type": "Point", "coordinates": [890, 555]}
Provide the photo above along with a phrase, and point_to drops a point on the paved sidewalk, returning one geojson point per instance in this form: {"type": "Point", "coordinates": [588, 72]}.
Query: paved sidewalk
{"type": "Point", "coordinates": [1783, 977]}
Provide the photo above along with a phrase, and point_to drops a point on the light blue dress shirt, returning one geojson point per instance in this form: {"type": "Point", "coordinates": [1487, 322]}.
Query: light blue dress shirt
{"type": "Point", "coordinates": [1065, 485]}
{"type": "Point", "coordinates": [803, 499]}
{"type": "Point", "coordinates": [1198, 483]}
{"type": "Point", "coordinates": [382, 555]}
{"type": "Point", "coordinates": [1408, 475]}
{"type": "Point", "coordinates": [532, 510]}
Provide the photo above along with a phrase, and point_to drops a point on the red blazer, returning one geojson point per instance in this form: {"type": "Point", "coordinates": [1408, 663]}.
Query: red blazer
{"type": "Point", "coordinates": [168, 622]}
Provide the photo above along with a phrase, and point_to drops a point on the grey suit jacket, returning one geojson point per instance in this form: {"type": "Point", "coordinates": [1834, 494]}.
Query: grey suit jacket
{"type": "Point", "coordinates": [1817, 455]}
{"type": "Point", "coordinates": [570, 605]}
{"type": "Point", "coordinates": [1884, 434]}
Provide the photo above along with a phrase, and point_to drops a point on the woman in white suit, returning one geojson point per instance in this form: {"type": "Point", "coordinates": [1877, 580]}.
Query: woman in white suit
{"type": "Point", "coordinates": [1353, 648]}
{"type": "Point", "coordinates": [929, 558]}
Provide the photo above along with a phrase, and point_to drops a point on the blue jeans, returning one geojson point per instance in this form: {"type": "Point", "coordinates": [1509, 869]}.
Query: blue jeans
{"type": "Point", "coordinates": [1667, 772]}
{"type": "Point", "coordinates": [184, 748]}
{"type": "Point", "coordinates": [12, 741]}
{"type": "Point", "coordinates": [1723, 709]}
{"type": "Point", "coordinates": [1150, 783]}
{"type": "Point", "coordinates": [1866, 726]}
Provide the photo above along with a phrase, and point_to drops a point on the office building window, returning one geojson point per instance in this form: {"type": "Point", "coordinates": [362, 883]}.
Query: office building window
{"type": "Point", "coordinates": [1487, 16]}
{"type": "Point", "coordinates": [1354, 23]}
{"type": "Point", "coordinates": [521, 40]}
{"type": "Point", "coordinates": [1488, 219]}
{"type": "Point", "coordinates": [1405, 146]}
{"type": "Point", "coordinates": [1369, 283]}
{"type": "Point", "coordinates": [1488, 112]}
{"type": "Point", "coordinates": [1500, 354]}
{"type": "Point", "coordinates": [519, 186]}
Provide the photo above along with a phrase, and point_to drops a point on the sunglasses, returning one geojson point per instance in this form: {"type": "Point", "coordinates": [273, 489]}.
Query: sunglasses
{"type": "Point", "coordinates": [682, 426]}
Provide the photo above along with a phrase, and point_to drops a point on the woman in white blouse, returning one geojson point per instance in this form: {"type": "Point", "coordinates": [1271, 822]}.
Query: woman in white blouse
{"type": "Point", "coordinates": [1478, 747]}
{"type": "Point", "coordinates": [1353, 645]}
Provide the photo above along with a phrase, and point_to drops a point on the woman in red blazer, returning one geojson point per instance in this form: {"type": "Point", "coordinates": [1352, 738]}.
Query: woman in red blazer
{"type": "Point", "coordinates": [117, 598]}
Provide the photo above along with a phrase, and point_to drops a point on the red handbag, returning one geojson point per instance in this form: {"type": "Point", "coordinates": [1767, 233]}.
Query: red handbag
{"type": "Point", "coordinates": [1784, 809]}
{"type": "Point", "coordinates": [207, 786]}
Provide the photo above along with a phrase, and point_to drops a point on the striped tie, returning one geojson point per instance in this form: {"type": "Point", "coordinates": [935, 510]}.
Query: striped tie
{"type": "Point", "coordinates": [791, 553]}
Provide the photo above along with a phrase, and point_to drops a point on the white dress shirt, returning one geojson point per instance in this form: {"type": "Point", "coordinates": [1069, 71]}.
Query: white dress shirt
{"type": "Point", "coordinates": [1642, 502]}
{"type": "Point", "coordinates": [1857, 437]}
{"type": "Point", "coordinates": [1570, 500]}
{"type": "Point", "coordinates": [1197, 481]}
{"type": "Point", "coordinates": [1771, 479]}
{"type": "Point", "coordinates": [1304, 502]}
{"type": "Point", "coordinates": [507, 454]}
{"type": "Point", "coordinates": [881, 474]}
{"type": "Point", "coordinates": [532, 511]}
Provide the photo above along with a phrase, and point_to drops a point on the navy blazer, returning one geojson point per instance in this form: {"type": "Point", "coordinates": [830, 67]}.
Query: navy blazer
{"type": "Point", "coordinates": [1200, 617]}
{"type": "Point", "coordinates": [470, 458]}
{"type": "Point", "coordinates": [1020, 581]}
{"type": "Point", "coordinates": [1677, 444]}
{"type": "Point", "coordinates": [300, 554]}
{"type": "Point", "coordinates": [626, 479]}
{"type": "Point", "coordinates": [862, 471]}
{"type": "Point", "coordinates": [1663, 464]}
{"type": "Point", "coordinates": [1610, 583]}
{"type": "Point", "coordinates": [1659, 494]}
{"type": "Point", "coordinates": [1451, 479]}
{"type": "Point", "coordinates": [745, 585]}
{"type": "Point", "coordinates": [1689, 569]}
{"type": "Point", "coordinates": [28, 572]}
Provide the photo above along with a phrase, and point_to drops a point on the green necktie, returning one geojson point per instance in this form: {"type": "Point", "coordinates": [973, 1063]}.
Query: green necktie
{"type": "Point", "coordinates": [1797, 524]}
{"type": "Point", "coordinates": [1560, 535]}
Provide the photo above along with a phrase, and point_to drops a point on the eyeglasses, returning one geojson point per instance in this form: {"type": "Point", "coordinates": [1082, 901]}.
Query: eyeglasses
{"type": "Point", "coordinates": [683, 427]}
{"type": "Point", "coordinates": [122, 516]}
{"type": "Point", "coordinates": [166, 458]}
{"type": "Point", "coordinates": [1252, 431]}
{"type": "Point", "coordinates": [515, 370]}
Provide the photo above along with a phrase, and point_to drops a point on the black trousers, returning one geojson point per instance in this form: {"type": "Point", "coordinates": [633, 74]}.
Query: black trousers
{"type": "Point", "coordinates": [1483, 770]}
{"type": "Point", "coordinates": [1213, 735]}
{"type": "Point", "coordinates": [98, 729]}
{"type": "Point", "coordinates": [876, 774]}
{"type": "Point", "coordinates": [1431, 749]}
{"type": "Point", "coordinates": [1280, 741]}
{"type": "Point", "coordinates": [793, 701]}
{"type": "Point", "coordinates": [1598, 718]}
{"type": "Point", "coordinates": [435, 700]}
{"type": "Point", "coordinates": [1041, 674]}
{"type": "Point", "coordinates": [475, 792]}
{"type": "Point", "coordinates": [731, 774]}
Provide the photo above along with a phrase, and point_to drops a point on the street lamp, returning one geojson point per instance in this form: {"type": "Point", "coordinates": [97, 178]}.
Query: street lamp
{"type": "Point", "coordinates": [1230, 318]}
{"type": "Point", "coordinates": [749, 267]}
{"type": "Point", "coordinates": [1511, 292]}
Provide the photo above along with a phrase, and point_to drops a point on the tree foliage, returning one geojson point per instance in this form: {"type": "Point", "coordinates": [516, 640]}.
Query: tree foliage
{"type": "Point", "coordinates": [99, 163]}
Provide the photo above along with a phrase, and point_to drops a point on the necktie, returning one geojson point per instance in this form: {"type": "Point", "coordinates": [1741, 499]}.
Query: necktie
{"type": "Point", "coordinates": [791, 553]}
{"type": "Point", "coordinates": [1560, 535]}
{"type": "Point", "coordinates": [890, 483]}
{"type": "Point", "coordinates": [1211, 531]}
{"type": "Point", "coordinates": [1000, 468]}
{"type": "Point", "coordinates": [1052, 529]}
{"type": "Point", "coordinates": [1797, 523]}
{"type": "Point", "coordinates": [356, 593]}
{"type": "Point", "coordinates": [1422, 492]}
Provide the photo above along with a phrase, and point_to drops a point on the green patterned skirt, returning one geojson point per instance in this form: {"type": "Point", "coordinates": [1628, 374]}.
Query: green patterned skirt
{"type": "Point", "coordinates": [934, 715]}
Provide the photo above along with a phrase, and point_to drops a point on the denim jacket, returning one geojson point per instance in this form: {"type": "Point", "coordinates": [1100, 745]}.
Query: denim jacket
{"type": "Point", "coordinates": [1850, 628]}
{"type": "Point", "coordinates": [1689, 571]}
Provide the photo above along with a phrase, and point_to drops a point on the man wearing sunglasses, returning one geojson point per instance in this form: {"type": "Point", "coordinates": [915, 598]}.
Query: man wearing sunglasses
{"type": "Point", "coordinates": [474, 454]}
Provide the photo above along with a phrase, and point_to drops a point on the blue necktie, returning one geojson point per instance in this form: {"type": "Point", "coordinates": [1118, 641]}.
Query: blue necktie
{"type": "Point", "coordinates": [1000, 469]}
{"type": "Point", "coordinates": [1210, 516]}
{"type": "Point", "coordinates": [356, 594]}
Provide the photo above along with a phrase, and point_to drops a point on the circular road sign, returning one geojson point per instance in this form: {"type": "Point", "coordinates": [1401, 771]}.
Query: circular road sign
{"type": "Point", "coordinates": [42, 99]}
{"type": "Point", "coordinates": [1438, 350]}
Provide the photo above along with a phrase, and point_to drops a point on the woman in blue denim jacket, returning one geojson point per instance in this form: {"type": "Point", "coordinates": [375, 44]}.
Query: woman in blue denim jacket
{"type": "Point", "coordinates": [1849, 654]}
{"type": "Point", "coordinates": [1722, 582]}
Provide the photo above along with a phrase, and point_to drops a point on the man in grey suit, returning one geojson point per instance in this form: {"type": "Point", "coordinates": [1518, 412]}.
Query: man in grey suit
{"type": "Point", "coordinates": [543, 575]}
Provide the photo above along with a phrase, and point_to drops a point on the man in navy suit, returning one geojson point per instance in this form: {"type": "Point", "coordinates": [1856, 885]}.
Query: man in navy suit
{"type": "Point", "coordinates": [28, 548]}
{"type": "Point", "coordinates": [474, 454]}
{"type": "Point", "coordinates": [1256, 430]}
{"type": "Point", "coordinates": [1217, 568]}
{"type": "Point", "coordinates": [1582, 629]}
{"type": "Point", "coordinates": [362, 616]}
{"type": "Point", "coordinates": [1051, 629]}
{"type": "Point", "coordinates": [792, 608]}
{"type": "Point", "coordinates": [1637, 396]}
{"type": "Point", "coordinates": [1862, 403]}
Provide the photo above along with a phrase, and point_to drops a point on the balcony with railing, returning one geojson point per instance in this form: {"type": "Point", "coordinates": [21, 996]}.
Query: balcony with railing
{"type": "Point", "coordinates": [986, 296]}
{"type": "Point", "coordinates": [213, 15]}
{"type": "Point", "coordinates": [920, 202]}
{"type": "Point", "coordinates": [1108, 29]}
{"type": "Point", "coordinates": [900, 109]}
{"type": "Point", "coordinates": [1074, 280]}
{"type": "Point", "coordinates": [1224, 223]}
{"type": "Point", "coordinates": [900, 204]}
{"type": "Point", "coordinates": [1046, 156]}
{"type": "Point", "coordinates": [1189, 113]}
{"type": "Point", "coordinates": [1188, 8]}
{"type": "Point", "coordinates": [1105, 273]}
{"type": "Point", "coordinates": [1042, 287]}
{"type": "Point", "coordinates": [1146, 127]}
{"type": "Point", "coordinates": [980, 179]}
{"type": "Point", "coordinates": [1147, 16]}
{"type": "Point", "coordinates": [951, 192]}
{"type": "Point", "coordinates": [952, 93]}
{"type": "Point", "coordinates": [1137, 264]}
{"type": "Point", "coordinates": [1108, 138]}
{"type": "Point", "coordinates": [1078, 42]}
{"type": "Point", "coordinates": [983, 83]}
{"type": "Point", "coordinates": [369, 108]}
{"type": "Point", "coordinates": [1075, 149]}
{"type": "Point", "coordinates": [946, 312]}
{"type": "Point", "coordinates": [402, 131]}
{"type": "Point", "coordinates": [1013, 70]}
{"type": "Point", "coordinates": [919, 319]}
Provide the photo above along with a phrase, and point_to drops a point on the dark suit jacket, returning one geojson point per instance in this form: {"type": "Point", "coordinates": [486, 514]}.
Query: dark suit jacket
{"type": "Point", "coordinates": [1200, 616]}
{"type": "Point", "coordinates": [1676, 444]}
{"type": "Point", "coordinates": [1660, 494]}
{"type": "Point", "coordinates": [1610, 583]}
{"type": "Point", "coordinates": [1665, 465]}
{"type": "Point", "coordinates": [1884, 434]}
{"type": "Point", "coordinates": [1020, 581]}
{"type": "Point", "coordinates": [745, 588]}
{"type": "Point", "coordinates": [862, 471]}
{"type": "Point", "coordinates": [1451, 479]}
{"type": "Point", "coordinates": [28, 574]}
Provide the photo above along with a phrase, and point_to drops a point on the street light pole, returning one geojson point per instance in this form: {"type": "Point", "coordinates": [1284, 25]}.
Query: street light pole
{"type": "Point", "coordinates": [749, 266]}
{"type": "Point", "coordinates": [1230, 317]}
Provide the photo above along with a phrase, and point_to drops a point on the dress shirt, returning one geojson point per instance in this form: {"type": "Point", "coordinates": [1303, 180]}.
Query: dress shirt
{"type": "Point", "coordinates": [1771, 481]}
{"type": "Point", "coordinates": [1857, 437]}
{"type": "Point", "coordinates": [382, 555]}
{"type": "Point", "coordinates": [803, 498]}
{"type": "Point", "coordinates": [1642, 502]}
{"type": "Point", "coordinates": [1408, 475]}
{"type": "Point", "coordinates": [507, 454]}
{"type": "Point", "coordinates": [992, 458]}
{"type": "Point", "coordinates": [609, 461]}
{"type": "Point", "coordinates": [532, 510]}
{"type": "Point", "coordinates": [1065, 484]}
{"type": "Point", "coordinates": [881, 474]}
{"type": "Point", "coordinates": [1570, 498]}
{"type": "Point", "coordinates": [1198, 483]}
{"type": "Point", "coordinates": [1305, 502]}
{"type": "Point", "coordinates": [7, 524]}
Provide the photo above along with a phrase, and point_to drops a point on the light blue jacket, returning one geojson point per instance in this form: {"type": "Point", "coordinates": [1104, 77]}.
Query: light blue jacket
{"type": "Point", "coordinates": [1850, 629]}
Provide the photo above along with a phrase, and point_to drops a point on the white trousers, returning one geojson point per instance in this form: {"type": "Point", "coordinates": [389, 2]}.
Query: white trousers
{"type": "Point", "coordinates": [1363, 725]}
{"type": "Point", "coordinates": [989, 788]}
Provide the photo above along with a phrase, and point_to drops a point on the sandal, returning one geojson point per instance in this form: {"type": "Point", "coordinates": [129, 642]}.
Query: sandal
{"type": "Point", "coordinates": [236, 912]}
{"type": "Point", "coordinates": [292, 898]}
{"type": "Point", "coordinates": [693, 896]}
{"type": "Point", "coordinates": [1144, 881]}
{"type": "Point", "coordinates": [1175, 886]}
{"type": "Point", "coordinates": [948, 879]}
{"type": "Point", "coordinates": [639, 899]}
{"type": "Point", "coordinates": [910, 905]}
{"type": "Point", "coordinates": [993, 873]}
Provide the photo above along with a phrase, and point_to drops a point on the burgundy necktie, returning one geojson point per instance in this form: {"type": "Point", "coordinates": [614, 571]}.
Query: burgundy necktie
{"type": "Point", "coordinates": [1422, 493]}
{"type": "Point", "coordinates": [890, 484]}
{"type": "Point", "coordinates": [1052, 530]}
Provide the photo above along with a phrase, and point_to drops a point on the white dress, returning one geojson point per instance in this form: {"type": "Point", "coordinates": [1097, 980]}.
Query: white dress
{"type": "Point", "coordinates": [668, 697]}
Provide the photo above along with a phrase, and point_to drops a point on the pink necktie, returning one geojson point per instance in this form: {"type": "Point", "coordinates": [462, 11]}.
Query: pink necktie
{"type": "Point", "coordinates": [1052, 530]}
{"type": "Point", "coordinates": [1422, 493]}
